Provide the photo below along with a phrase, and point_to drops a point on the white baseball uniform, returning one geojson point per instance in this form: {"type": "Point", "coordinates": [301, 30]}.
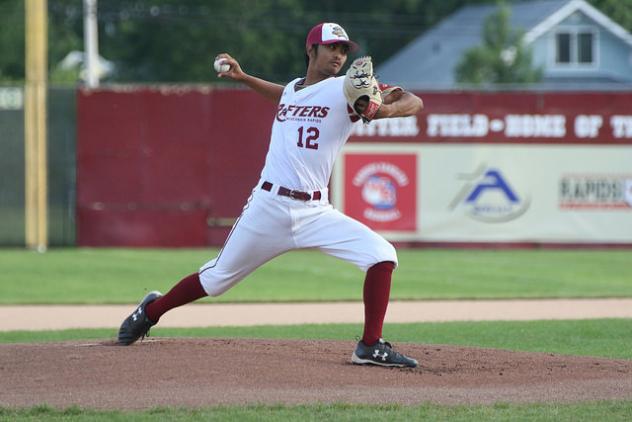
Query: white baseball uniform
{"type": "Point", "coordinates": [310, 127]}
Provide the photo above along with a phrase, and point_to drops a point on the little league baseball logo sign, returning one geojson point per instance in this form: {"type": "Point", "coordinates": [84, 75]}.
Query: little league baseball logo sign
{"type": "Point", "coordinates": [380, 190]}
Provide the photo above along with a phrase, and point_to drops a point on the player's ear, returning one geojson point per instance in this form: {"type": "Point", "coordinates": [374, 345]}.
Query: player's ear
{"type": "Point", "coordinates": [313, 51]}
{"type": "Point", "coordinates": [311, 54]}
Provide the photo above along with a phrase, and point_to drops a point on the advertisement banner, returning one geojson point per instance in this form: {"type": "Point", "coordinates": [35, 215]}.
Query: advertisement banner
{"type": "Point", "coordinates": [598, 118]}
{"type": "Point", "coordinates": [493, 194]}
{"type": "Point", "coordinates": [380, 190]}
{"type": "Point", "coordinates": [526, 194]}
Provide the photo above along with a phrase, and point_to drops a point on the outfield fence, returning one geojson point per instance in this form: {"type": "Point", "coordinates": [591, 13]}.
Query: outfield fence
{"type": "Point", "coordinates": [171, 166]}
{"type": "Point", "coordinates": [61, 166]}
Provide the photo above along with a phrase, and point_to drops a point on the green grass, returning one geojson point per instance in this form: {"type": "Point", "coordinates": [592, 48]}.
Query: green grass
{"type": "Point", "coordinates": [122, 275]}
{"type": "Point", "coordinates": [611, 338]}
{"type": "Point", "coordinates": [596, 411]}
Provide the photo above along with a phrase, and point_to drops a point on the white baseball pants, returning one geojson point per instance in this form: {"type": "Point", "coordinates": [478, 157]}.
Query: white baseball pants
{"type": "Point", "coordinates": [271, 224]}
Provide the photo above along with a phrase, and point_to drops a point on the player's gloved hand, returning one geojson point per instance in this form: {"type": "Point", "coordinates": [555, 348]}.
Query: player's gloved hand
{"type": "Point", "coordinates": [362, 89]}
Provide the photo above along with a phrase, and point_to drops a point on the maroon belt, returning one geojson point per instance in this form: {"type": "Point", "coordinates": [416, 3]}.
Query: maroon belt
{"type": "Point", "coordinates": [294, 194]}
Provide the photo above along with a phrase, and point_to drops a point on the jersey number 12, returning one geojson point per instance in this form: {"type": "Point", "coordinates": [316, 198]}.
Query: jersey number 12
{"type": "Point", "coordinates": [310, 141]}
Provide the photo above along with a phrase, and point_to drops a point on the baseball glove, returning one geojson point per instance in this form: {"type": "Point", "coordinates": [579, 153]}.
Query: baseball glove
{"type": "Point", "coordinates": [362, 89]}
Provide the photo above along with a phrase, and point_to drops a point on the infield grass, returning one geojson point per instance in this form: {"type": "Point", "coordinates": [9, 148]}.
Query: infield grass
{"type": "Point", "coordinates": [106, 276]}
{"type": "Point", "coordinates": [596, 411]}
{"type": "Point", "coordinates": [611, 338]}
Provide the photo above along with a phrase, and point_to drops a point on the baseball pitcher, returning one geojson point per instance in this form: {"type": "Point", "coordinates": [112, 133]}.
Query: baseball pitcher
{"type": "Point", "coordinates": [289, 207]}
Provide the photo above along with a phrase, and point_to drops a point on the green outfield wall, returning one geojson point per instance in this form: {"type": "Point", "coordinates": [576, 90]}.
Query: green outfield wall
{"type": "Point", "coordinates": [61, 166]}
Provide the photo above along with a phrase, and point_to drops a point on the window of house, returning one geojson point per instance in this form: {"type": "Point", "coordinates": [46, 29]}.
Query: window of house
{"type": "Point", "coordinates": [563, 48]}
{"type": "Point", "coordinates": [574, 47]}
{"type": "Point", "coordinates": [584, 47]}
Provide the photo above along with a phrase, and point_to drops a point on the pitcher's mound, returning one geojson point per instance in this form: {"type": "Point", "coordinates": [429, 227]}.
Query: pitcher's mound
{"type": "Point", "coordinates": [206, 372]}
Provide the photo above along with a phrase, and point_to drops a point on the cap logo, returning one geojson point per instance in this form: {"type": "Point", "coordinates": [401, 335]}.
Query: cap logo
{"type": "Point", "coordinates": [338, 31]}
{"type": "Point", "coordinates": [334, 32]}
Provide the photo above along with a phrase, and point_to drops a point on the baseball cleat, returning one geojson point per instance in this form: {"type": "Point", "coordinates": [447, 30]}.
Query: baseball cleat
{"type": "Point", "coordinates": [382, 354]}
{"type": "Point", "coordinates": [137, 325]}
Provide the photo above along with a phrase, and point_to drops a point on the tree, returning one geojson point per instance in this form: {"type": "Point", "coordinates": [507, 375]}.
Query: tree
{"type": "Point", "coordinates": [175, 40]}
{"type": "Point", "coordinates": [619, 11]}
{"type": "Point", "coordinates": [65, 34]}
{"type": "Point", "coordinates": [11, 40]}
{"type": "Point", "coordinates": [502, 58]}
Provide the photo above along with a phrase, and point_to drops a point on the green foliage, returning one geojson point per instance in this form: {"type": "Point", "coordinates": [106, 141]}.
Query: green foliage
{"type": "Point", "coordinates": [61, 76]}
{"type": "Point", "coordinates": [502, 58]}
{"type": "Point", "coordinates": [65, 34]}
{"type": "Point", "coordinates": [176, 40]}
{"type": "Point", "coordinates": [11, 40]}
{"type": "Point", "coordinates": [619, 11]}
{"type": "Point", "coordinates": [164, 41]}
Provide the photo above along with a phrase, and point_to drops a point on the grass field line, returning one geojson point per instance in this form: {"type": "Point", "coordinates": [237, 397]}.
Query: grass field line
{"type": "Point", "coordinates": [59, 317]}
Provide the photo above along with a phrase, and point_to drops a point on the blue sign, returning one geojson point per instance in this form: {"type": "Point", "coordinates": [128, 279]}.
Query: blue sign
{"type": "Point", "coordinates": [487, 196]}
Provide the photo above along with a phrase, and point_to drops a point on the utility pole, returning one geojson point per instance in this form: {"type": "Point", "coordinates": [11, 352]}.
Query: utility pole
{"type": "Point", "coordinates": [91, 43]}
{"type": "Point", "coordinates": [35, 145]}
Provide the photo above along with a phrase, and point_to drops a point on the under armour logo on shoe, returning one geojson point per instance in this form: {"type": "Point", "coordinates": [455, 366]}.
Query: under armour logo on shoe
{"type": "Point", "coordinates": [136, 314]}
{"type": "Point", "coordinates": [376, 354]}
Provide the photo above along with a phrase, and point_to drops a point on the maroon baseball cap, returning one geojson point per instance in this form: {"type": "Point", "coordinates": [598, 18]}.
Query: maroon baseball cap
{"type": "Point", "coordinates": [329, 33]}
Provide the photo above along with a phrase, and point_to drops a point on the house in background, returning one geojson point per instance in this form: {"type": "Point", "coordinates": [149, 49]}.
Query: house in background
{"type": "Point", "coordinates": [575, 44]}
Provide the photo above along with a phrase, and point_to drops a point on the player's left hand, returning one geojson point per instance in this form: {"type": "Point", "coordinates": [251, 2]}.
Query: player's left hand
{"type": "Point", "coordinates": [362, 89]}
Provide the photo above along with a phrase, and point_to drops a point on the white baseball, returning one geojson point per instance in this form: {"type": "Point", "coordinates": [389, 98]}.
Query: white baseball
{"type": "Point", "coordinates": [220, 66]}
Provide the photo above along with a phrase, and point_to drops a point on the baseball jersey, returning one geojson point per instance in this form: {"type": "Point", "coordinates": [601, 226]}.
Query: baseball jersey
{"type": "Point", "coordinates": [310, 127]}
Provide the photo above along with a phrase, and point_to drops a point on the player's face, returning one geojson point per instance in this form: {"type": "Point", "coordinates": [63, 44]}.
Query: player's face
{"type": "Point", "coordinates": [331, 57]}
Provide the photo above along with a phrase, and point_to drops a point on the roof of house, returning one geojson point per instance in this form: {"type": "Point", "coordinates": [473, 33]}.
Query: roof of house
{"type": "Point", "coordinates": [430, 59]}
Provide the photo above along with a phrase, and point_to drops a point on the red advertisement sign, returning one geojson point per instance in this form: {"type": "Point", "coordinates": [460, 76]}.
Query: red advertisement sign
{"type": "Point", "coordinates": [510, 118]}
{"type": "Point", "coordinates": [381, 190]}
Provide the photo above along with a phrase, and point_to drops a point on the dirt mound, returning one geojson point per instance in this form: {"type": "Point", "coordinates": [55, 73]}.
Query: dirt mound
{"type": "Point", "coordinates": [206, 372]}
